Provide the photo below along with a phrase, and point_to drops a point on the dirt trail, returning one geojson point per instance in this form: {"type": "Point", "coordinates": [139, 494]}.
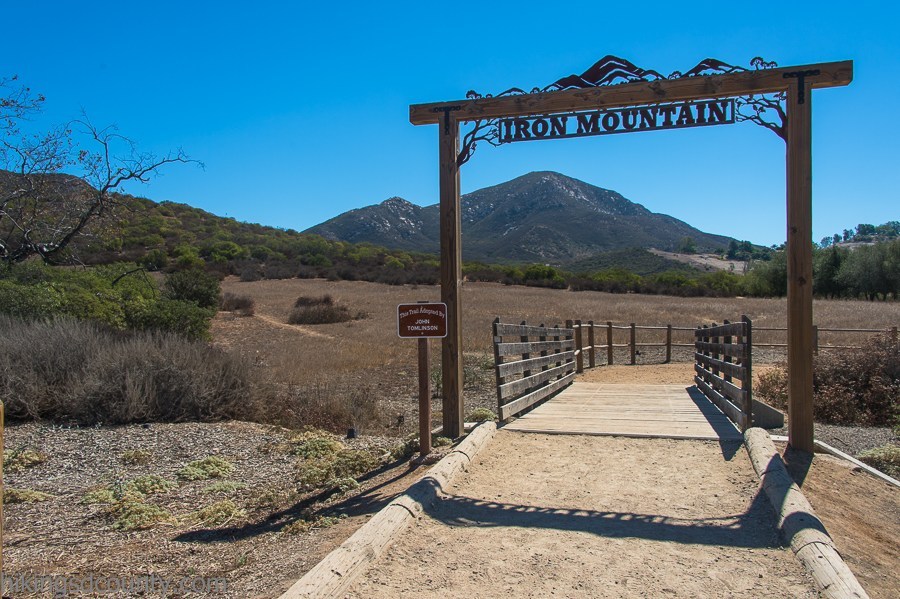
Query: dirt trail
{"type": "Point", "coordinates": [572, 516]}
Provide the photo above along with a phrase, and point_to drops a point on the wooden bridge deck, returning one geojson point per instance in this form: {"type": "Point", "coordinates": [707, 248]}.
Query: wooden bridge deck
{"type": "Point", "coordinates": [665, 411]}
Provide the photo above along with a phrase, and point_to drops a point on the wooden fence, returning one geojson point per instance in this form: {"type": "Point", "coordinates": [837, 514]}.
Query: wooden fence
{"type": "Point", "coordinates": [531, 363]}
{"type": "Point", "coordinates": [588, 352]}
{"type": "Point", "coordinates": [723, 356]}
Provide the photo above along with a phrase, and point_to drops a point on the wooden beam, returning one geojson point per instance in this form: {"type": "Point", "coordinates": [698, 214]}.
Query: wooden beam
{"type": "Point", "coordinates": [799, 266]}
{"type": "Point", "coordinates": [831, 74]}
{"type": "Point", "coordinates": [451, 278]}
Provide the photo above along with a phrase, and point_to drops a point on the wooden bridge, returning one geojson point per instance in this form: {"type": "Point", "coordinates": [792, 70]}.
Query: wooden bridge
{"type": "Point", "coordinates": [666, 411]}
{"type": "Point", "coordinates": [534, 363]}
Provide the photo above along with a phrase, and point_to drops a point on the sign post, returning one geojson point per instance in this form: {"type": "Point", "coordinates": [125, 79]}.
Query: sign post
{"type": "Point", "coordinates": [423, 321]}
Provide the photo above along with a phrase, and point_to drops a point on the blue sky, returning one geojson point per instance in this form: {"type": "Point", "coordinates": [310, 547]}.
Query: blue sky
{"type": "Point", "coordinates": [300, 112]}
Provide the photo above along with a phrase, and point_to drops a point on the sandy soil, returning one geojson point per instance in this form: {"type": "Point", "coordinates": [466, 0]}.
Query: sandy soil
{"type": "Point", "coordinates": [599, 517]}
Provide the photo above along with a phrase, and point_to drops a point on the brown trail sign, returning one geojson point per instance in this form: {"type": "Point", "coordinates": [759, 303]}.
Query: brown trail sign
{"type": "Point", "coordinates": [614, 86]}
{"type": "Point", "coordinates": [423, 321]}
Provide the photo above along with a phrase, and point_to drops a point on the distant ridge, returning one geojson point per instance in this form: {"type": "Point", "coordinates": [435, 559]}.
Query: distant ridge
{"type": "Point", "coordinates": [539, 217]}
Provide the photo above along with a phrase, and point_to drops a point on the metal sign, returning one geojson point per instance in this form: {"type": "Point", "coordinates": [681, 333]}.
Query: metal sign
{"type": "Point", "coordinates": [617, 120]}
{"type": "Point", "coordinates": [417, 321]}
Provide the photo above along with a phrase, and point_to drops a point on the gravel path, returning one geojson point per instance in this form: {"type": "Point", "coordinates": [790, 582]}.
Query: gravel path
{"type": "Point", "coordinates": [569, 516]}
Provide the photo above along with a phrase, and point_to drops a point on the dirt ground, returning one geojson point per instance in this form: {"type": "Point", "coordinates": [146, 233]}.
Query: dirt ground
{"type": "Point", "coordinates": [860, 512]}
{"type": "Point", "coordinates": [597, 517]}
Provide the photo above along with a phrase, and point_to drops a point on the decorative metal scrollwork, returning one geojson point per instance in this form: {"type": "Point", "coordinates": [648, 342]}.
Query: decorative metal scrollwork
{"type": "Point", "coordinates": [766, 110]}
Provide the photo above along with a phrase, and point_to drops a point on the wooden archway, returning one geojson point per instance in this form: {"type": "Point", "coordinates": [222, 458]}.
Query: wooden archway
{"type": "Point", "coordinates": [597, 89]}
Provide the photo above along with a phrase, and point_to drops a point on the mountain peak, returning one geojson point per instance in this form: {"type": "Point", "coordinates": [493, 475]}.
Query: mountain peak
{"type": "Point", "coordinates": [542, 216]}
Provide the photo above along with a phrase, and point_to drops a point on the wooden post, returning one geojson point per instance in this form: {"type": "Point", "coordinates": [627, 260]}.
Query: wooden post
{"type": "Point", "coordinates": [579, 350]}
{"type": "Point", "coordinates": [525, 355]}
{"type": "Point", "coordinates": [451, 277]}
{"type": "Point", "coordinates": [894, 334]}
{"type": "Point", "coordinates": [609, 343]}
{"type": "Point", "coordinates": [591, 356]}
{"type": "Point", "coordinates": [727, 341]}
{"type": "Point", "coordinates": [668, 343]}
{"type": "Point", "coordinates": [816, 339]}
{"type": "Point", "coordinates": [424, 397]}
{"type": "Point", "coordinates": [799, 266]}
{"type": "Point", "coordinates": [747, 382]}
{"type": "Point", "coordinates": [498, 359]}
{"type": "Point", "coordinates": [633, 344]}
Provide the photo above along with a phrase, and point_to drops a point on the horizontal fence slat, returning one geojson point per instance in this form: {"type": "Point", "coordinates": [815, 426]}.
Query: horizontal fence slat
{"type": "Point", "coordinates": [514, 388]}
{"type": "Point", "coordinates": [520, 366]}
{"type": "Point", "coordinates": [722, 402]}
{"type": "Point", "coordinates": [730, 390]}
{"type": "Point", "coordinates": [520, 330]}
{"type": "Point", "coordinates": [722, 330]}
{"type": "Point", "coordinates": [728, 349]}
{"type": "Point", "coordinates": [517, 405]}
{"type": "Point", "coordinates": [511, 349]}
{"type": "Point", "coordinates": [729, 368]}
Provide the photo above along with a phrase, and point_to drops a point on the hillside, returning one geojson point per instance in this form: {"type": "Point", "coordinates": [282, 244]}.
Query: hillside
{"type": "Point", "coordinates": [538, 217]}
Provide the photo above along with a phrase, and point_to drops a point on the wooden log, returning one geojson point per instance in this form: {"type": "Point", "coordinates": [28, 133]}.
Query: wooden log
{"type": "Point", "coordinates": [799, 266]}
{"type": "Point", "coordinates": [633, 94]}
{"type": "Point", "coordinates": [331, 577]}
{"type": "Point", "coordinates": [798, 522]}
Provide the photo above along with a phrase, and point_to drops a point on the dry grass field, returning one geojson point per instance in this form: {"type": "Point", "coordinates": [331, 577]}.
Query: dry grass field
{"type": "Point", "coordinates": [365, 361]}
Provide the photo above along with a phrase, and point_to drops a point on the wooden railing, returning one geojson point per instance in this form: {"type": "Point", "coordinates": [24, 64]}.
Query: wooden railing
{"type": "Point", "coordinates": [588, 352]}
{"type": "Point", "coordinates": [531, 363]}
{"type": "Point", "coordinates": [722, 357]}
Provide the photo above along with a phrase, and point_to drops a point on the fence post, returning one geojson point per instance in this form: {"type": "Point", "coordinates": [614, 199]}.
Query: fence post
{"type": "Point", "coordinates": [609, 343]}
{"type": "Point", "coordinates": [747, 383]}
{"type": "Point", "coordinates": [633, 346]}
{"type": "Point", "coordinates": [556, 349]}
{"type": "Point", "coordinates": [816, 339]}
{"type": "Point", "coordinates": [498, 359]}
{"type": "Point", "coordinates": [668, 343]}
{"type": "Point", "coordinates": [727, 341]}
{"type": "Point", "coordinates": [579, 349]}
{"type": "Point", "coordinates": [591, 356]}
{"type": "Point", "coordinates": [525, 356]}
{"type": "Point", "coordinates": [894, 334]}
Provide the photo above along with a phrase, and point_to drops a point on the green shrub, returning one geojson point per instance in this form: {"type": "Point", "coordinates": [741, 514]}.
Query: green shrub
{"type": "Point", "coordinates": [136, 457]}
{"type": "Point", "coordinates": [14, 495]}
{"type": "Point", "coordinates": [18, 460]}
{"type": "Point", "coordinates": [885, 458]}
{"type": "Point", "coordinates": [218, 513]}
{"type": "Point", "coordinates": [320, 310]}
{"type": "Point", "coordinates": [208, 467]}
{"type": "Point", "coordinates": [149, 484]}
{"type": "Point", "coordinates": [315, 444]}
{"type": "Point", "coordinates": [193, 285]}
{"type": "Point", "coordinates": [184, 317]}
{"type": "Point", "coordinates": [481, 415]}
{"type": "Point", "coordinates": [223, 487]}
{"type": "Point", "coordinates": [131, 514]}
